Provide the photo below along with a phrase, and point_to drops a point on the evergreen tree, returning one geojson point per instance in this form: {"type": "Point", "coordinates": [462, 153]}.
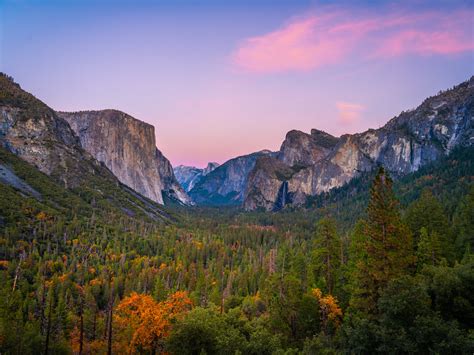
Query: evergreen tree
{"type": "Point", "coordinates": [464, 224]}
{"type": "Point", "coordinates": [427, 212]}
{"type": "Point", "coordinates": [327, 253]}
{"type": "Point", "coordinates": [387, 243]}
{"type": "Point", "coordinates": [429, 248]}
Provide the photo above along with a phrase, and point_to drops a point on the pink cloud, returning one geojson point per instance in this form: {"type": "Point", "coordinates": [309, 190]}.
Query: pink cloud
{"type": "Point", "coordinates": [296, 46]}
{"type": "Point", "coordinates": [317, 40]}
{"type": "Point", "coordinates": [349, 112]}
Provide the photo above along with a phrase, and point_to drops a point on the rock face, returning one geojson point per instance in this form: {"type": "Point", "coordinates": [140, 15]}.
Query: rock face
{"type": "Point", "coordinates": [34, 132]}
{"type": "Point", "coordinates": [303, 149]}
{"type": "Point", "coordinates": [310, 164]}
{"type": "Point", "coordinates": [225, 185]}
{"type": "Point", "coordinates": [127, 147]}
{"type": "Point", "coordinates": [188, 176]}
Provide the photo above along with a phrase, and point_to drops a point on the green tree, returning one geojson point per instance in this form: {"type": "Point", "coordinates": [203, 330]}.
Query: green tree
{"type": "Point", "coordinates": [427, 212]}
{"type": "Point", "coordinates": [204, 330]}
{"type": "Point", "coordinates": [429, 248]}
{"type": "Point", "coordinates": [407, 323]}
{"type": "Point", "coordinates": [387, 243]}
{"type": "Point", "coordinates": [464, 224]}
{"type": "Point", "coordinates": [327, 254]}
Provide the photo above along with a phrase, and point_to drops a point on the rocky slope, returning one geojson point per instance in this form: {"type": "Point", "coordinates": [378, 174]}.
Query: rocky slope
{"type": "Point", "coordinates": [127, 147]}
{"type": "Point", "coordinates": [188, 176]}
{"type": "Point", "coordinates": [305, 168]}
{"type": "Point", "coordinates": [226, 184]}
{"type": "Point", "coordinates": [35, 133]}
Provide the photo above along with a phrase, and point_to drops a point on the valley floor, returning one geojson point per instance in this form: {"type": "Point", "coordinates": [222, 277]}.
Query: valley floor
{"type": "Point", "coordinates": [354, 272]}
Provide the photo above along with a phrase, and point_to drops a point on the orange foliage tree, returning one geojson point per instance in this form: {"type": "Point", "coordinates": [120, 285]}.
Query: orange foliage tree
{"type": "Point", "coordinates": [141, 323]}
{"type": "Point", "coordinates": [331, 313]}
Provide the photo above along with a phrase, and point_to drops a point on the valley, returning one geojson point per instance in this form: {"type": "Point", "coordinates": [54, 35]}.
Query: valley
{"type": "Point", "coordinates": [353, 244]}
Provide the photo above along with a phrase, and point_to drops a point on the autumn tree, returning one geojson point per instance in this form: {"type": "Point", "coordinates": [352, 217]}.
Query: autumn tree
{"type": "Point", "coordinates": [143, 323]}
{"type": "Point", "coordinates": [330, 312]}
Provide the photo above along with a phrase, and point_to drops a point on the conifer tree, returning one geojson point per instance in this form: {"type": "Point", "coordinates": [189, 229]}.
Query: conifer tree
{"type": "Point", "coordinates": [327, 253]}
{"type": "Point", "coordinates": [388, 246]}
{"type": "Point", "coordinates": [427, 212]}
{"type": "Point", "coordinates": [464, 224]}
{"type": "Point", "coordinates": [429, 248]}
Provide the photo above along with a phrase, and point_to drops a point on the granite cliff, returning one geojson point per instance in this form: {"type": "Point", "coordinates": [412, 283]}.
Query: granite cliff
{"type": "Point", "coordinates": [127, 147]}
{"type": "Point", "coordinates": [306, 166]}
{"type": "Point", "coordinates": [188, 176]}
{"type": "Point", "coordinates": [35, 133]}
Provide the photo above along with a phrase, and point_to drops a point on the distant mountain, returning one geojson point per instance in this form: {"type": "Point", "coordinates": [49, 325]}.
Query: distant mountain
{"type": "Point", "coordinates": [127, 147]}
{"type": "Point", "coordinates": [225, 185]}
{"type": "Point", "coordinates": [308, 165]}
{"type": "Point", "coordinates": [188, 176]}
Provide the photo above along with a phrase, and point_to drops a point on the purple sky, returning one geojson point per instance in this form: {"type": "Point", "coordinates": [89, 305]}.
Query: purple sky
{"type": "Point", "coordinates": [219, 78]}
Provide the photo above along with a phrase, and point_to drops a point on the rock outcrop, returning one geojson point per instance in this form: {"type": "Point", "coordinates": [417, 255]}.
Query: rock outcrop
{"type": "Point", "coordinates": [403, 145]}
{"type": "Point", "coordinates": [35, 133]}
{"type": "Point", "coordinates": [127, 147]}
{"type": "Point", "coordinates": [188, 176]}
{"type": "Point", "coordinates": [226, 184]}
{"type": "Point", "coordinates": [304, 149]}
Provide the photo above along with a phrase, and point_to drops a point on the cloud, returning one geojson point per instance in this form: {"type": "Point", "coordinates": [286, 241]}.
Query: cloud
{"type": "Point", "coordinates": [296, 46]}
{"type": "Point", "coordinates": [349, 112]}
{"type": "Point", "coordinates": [310, 42]}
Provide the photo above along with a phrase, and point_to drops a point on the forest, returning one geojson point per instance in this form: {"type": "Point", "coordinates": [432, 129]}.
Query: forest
{"type": "Point", "coordinates": [382, 265]}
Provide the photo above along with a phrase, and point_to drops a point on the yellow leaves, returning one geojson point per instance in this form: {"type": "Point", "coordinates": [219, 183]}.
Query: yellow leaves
{"type": "Point", "coordinates": [198, 244]}
{"type": "Point", "coordinates": [79, 288]}
{"type": "Point", "coordinates": [177, 303]}
{"type": "Point", "coordinates": [162, 266]}
{"type": "Point", "coordinates": [144, 321]}
{"type": "Point", "coordinates": [257, 296]}
{"type": "Point", "coordinates": [48, 283]}
{"type": "Point", "coordinates": [42, 216]}
{"type": "Point", "coordinates": [330, 311]}
{"type": "Point", "coordinates": [3, 264]}
{"type": "Point", "coordinates": [317, 293]}
{"type": "Point", "coordinates": [63, 277]}
{"type": "Point", "coordinates": [95, 282]}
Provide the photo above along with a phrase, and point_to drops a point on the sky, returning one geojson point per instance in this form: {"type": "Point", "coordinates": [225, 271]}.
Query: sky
{"type": "Point", "coordinates": [219, 79]}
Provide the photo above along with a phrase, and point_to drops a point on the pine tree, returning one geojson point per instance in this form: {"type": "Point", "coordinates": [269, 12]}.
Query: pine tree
{"type": "Point", "coordinates": [429, 248]}
{"type": "Point", "coordinates": [388, 246]}
{"type": "Point", "coordinates": [464, 224]}
{"type": "Point", "coordinates": [327, 253]}
{"type": "Point", "coordinates": [427, 212]}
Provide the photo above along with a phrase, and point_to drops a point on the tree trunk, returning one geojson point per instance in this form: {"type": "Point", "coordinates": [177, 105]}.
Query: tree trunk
{"type": "Point", "coordinates": [48, 328]}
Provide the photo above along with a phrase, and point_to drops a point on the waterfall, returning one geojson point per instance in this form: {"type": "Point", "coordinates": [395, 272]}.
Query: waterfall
{"type": "Point", "coordinates": [282, 197]}
{"type": "Point", "coordinates": [284, 193]}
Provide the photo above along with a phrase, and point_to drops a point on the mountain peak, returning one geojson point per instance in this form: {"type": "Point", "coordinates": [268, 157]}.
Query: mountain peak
{"type": "Point", "coordinates": [407, 142]}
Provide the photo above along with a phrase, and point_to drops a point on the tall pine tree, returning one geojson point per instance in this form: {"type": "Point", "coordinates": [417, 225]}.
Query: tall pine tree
{"type": "Point", "coordinates": [327, 254]}
{"type": "Point", "coordinates": [387, 243]}
{"type": "Point", "coordinates": [427, 212]}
